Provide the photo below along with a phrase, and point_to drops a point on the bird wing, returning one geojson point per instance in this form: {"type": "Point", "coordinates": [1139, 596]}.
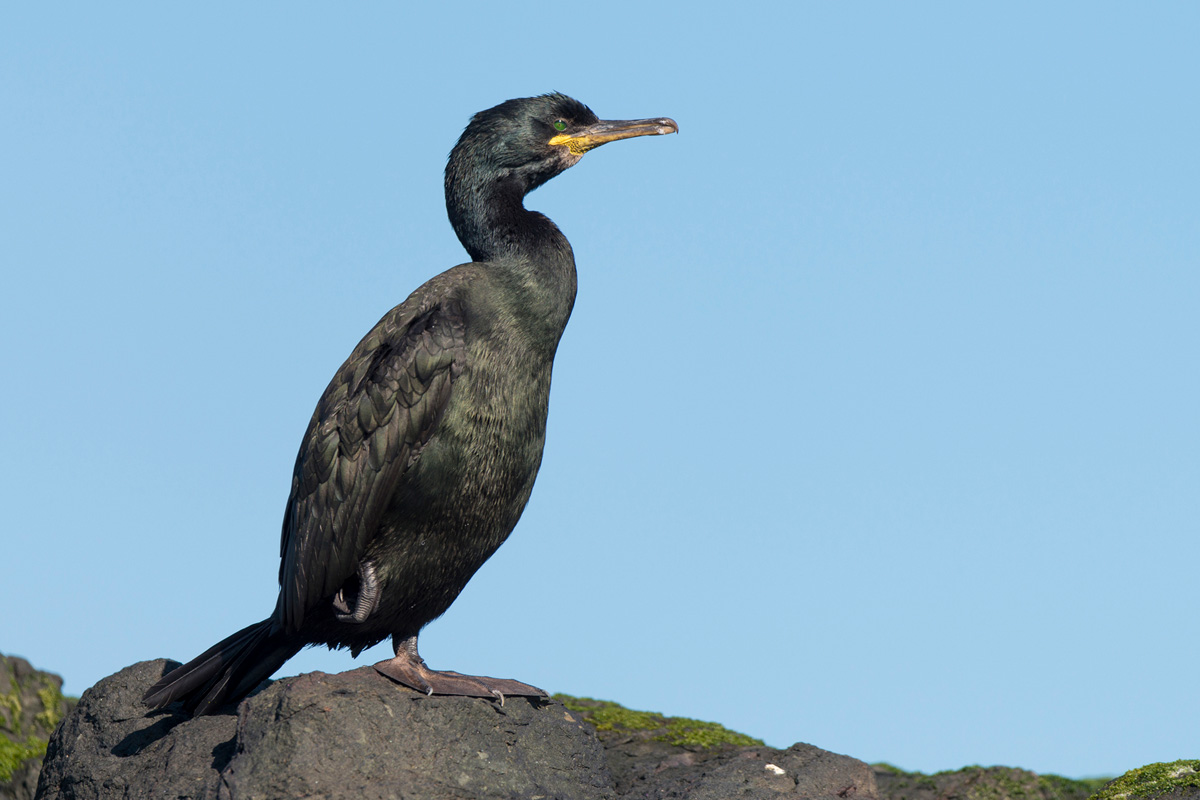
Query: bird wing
{"type": "Point", "coordinates": [380, 409]}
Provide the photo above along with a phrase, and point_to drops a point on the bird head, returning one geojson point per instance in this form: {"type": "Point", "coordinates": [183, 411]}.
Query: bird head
{"type": "Point", "coordinates": [533, 139]}
{"type": "Point", "coordinates": [510, 150]}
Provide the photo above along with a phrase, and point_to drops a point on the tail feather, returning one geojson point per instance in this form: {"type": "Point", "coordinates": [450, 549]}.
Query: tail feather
{"type": "Point", "coordinates": [227, 671]}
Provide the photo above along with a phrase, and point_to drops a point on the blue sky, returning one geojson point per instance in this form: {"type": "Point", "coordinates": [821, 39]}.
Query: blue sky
{"type": "Point", "coordinates": [874, 427]}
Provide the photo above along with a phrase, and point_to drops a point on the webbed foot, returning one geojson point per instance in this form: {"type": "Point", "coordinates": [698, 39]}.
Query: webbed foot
{"type": "Point", "coordinates": [409, 669]}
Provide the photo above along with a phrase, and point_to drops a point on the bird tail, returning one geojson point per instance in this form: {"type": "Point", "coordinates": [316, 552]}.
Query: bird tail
{"type": "Point", "coordinates": [227, 671]}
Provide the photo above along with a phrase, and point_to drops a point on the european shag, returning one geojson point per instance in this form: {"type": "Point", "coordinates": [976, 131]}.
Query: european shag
{"type": "Point", "coordinates": [423, 450]}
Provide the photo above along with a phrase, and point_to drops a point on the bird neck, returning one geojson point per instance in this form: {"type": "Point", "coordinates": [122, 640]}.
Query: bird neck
{"type": "Point", "coordinates": [489, 215]}
{"type": "Point", "coordinates": [525, 250]}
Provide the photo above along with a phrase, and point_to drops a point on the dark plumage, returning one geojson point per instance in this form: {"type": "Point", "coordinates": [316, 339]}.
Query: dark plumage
{"type": "Point", "coordinates": [423, 450]}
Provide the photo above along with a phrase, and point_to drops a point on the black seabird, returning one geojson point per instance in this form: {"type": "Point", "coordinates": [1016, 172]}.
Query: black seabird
{"type": "Point", "coordinates": [423, 450]}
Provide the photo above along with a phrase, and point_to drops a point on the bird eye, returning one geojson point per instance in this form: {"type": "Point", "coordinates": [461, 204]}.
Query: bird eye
{"type": "Point", "coordinates": [559, 125]}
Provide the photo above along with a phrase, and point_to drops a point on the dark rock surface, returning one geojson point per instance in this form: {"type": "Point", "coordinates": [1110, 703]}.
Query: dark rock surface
{"type": "Point", "coordinates": [108, 747]}
{"type": "Point", "coordinates": [351, 735]}
{"type": "Point", "coordinates": [801, 771]}
{"type": "Point", "coordinates": [654, 756]}
{"type": "Point", "coordinates": [979, 783]}
{"type": "Point", "coordinates": [31, 704]}
{"type": "Point", "coordinates": [358, 735]}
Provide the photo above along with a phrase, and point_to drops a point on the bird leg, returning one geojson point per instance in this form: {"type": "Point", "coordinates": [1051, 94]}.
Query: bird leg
{"type": "Point", "coordinates": [409, 669]}
{"type": "Point", "coordinates": [366, 601]}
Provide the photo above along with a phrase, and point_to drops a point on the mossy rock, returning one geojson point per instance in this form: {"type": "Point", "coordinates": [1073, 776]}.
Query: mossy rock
{"type": "Point", "coordinates": [610, 719]}
{"type": "Point", "coordinates": [31, 706]}
{"type": "Point", "coordinates": [1175, 779]}
{"type": "Point", "coordinates": [980, 783]}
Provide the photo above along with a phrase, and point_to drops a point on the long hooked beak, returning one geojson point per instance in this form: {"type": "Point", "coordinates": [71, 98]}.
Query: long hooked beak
{"type": "Point", "coordinates": [605, 131]}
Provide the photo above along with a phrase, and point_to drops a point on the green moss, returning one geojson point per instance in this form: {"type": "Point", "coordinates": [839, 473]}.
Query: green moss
{"type": "Point", "coordinates": [883, 766]}
{"type": "Point", "coordinates": [11, 702]}
{"type": "Point", "coordinates": [606, 715]}
{"type": "Point", "coordinates": [696, 733]}
{"type": "Point", "coordinates": [17, 745]}
{"type": "Point", "coordinates": [1153, 780]}
{"type": "Point", "coordinates": [614, 717]}
{"type": "Point", "coordinates": [13, 754]}
{"type": "Point", "coordinates": [1001, 785]}
{"type": "Point", "coordinates": [52, 707]}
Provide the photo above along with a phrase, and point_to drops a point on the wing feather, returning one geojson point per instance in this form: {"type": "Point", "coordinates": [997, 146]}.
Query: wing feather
{"type": "Point", "coordinates": [379, 410]}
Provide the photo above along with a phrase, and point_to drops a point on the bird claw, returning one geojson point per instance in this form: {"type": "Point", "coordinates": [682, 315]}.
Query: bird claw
{"type": "Point", "coordinates": [409, 669]}
{"type": "Point", "coordinates": [367, 600]}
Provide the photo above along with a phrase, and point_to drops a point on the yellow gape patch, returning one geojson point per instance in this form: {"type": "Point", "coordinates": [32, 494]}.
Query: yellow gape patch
{"type": "Point", "coordinates": [577, 146]}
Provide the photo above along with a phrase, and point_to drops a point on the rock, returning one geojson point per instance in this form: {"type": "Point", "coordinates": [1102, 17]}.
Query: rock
{"type": "Point", "coordinates": [351, 735]}
{"type": "Point", "coordinates": [358, 735]}
{"type": "Point", "coordinates": [653, 756]}
{"type": "Point", "coordinates": [31, 704]}
{"type": "Point", "coordinates": [801, 771]}
{"type": "Point", "coordinates": [109, 747]}
{"type": "Point", "coordinates": [979, 783]}
{"type": "Point", "coordinates": [1176, 780]}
